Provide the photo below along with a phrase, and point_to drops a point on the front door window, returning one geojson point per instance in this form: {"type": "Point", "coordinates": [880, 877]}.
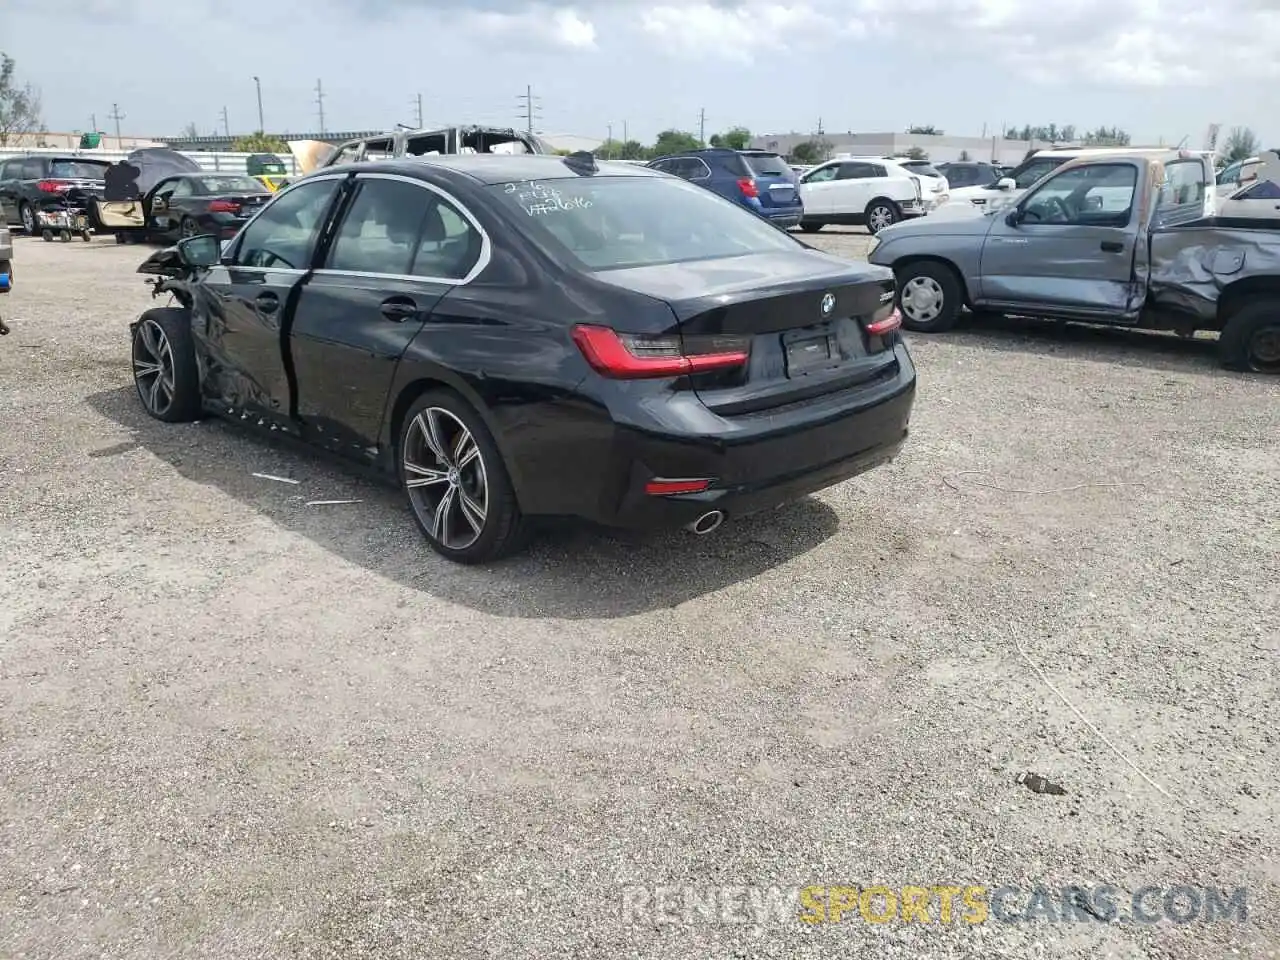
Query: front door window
{"type": "Point", "coordinates": [1099, 195]}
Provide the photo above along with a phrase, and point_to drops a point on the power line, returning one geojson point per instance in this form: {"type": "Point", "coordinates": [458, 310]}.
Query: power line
{"type": "Point", "coordinates": [532, 110]}
{"type": "Point", "coordinates": [320, 104]}
{"type": "Point", "coordinates": [117, 116]}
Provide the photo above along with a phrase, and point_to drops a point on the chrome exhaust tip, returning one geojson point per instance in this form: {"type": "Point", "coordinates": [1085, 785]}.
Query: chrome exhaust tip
{"type": "Point", "coordinates": [706, 523]}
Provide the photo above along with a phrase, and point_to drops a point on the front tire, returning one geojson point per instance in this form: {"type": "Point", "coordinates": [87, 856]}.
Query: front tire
{"type": "Point", "coordinates": [1251, 339]}
{"type": "Point", "coordinates": [457, 484]}
{"type": "Point", "coordinates": [28, 217]}
{"type": "Point", "coordinates": [164, 365]}
{"type": "Point", "coordinates": [881, 213]}
{"type": "Point", "coordinates": [929, 296]}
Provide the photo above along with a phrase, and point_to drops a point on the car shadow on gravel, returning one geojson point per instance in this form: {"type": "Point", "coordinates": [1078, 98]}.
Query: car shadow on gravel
{"type": "Point", "coordinates": [569, 570]}
{"type": "Point", "coordinates": [1119, 345]}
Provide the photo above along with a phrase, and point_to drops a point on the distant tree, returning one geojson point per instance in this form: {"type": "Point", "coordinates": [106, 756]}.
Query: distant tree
{"type": "Point", "coordinates": [674, 141]}
{"type": "Point", "coordinates": [737, 138]}
{"type": "Point", "coordinates": [259, 142]}
{"type": "Point", "coordinates": [561, 152]}
{"type": "Point", "coordinates": [609, 150]}
{"type": "Point", "coordinates": [915, 153]}
{"type": "Point", "coordinates": [1241, 144]}
{"type": "Point", "coordinates": [191, 131]}
{"type": "Point", "coordinates": [632, 150]}
{"type": "Point", "coordinates": [1107, 137]}
{"type": "Point", "coordinates": [926, 131]}
{"type": "Point", "coordinates": [1068, 133]}
{"type": "Point", "coordinates": [964, 156]}
{"type": "Point", "coordinates": [807, 151]}
{"type": "Point", "coordinates": [19, 106]}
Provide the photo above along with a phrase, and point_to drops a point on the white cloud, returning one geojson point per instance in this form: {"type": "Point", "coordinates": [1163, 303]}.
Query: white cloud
{"type": "Point", "coordinates": [718, 31]}
{"type": "Point", "coordinates": [558, 26]}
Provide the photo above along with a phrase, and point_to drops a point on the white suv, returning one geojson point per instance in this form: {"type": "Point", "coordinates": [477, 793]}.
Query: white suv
{"type": "Point", "coordinates": [860, 190]}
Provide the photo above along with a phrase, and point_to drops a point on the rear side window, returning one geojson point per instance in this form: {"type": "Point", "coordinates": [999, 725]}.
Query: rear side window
{"type": "Point", "coordinates": [692, 168]}
{"type": "Point", "coordinates": [284, 235]}
{"type": "Point", "coordinates": [32, 169]}
{"type": "Point", "coordinates": [1184, 184]}
{"type": "Point", "coordinates": [379, 149]}
{"type": "Point", "coordinates": [605, 223]}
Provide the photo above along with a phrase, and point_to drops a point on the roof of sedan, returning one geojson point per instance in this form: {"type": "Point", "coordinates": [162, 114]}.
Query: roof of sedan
{"type": "Point", "coordinates": [493, 168]}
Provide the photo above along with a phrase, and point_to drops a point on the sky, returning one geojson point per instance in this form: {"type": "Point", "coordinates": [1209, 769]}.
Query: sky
{"type": "Point", "coordinates": [1161, 69]}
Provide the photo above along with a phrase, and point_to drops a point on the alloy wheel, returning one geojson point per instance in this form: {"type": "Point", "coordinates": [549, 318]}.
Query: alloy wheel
{"type": "Point", "coordinates": [188, 228]}
{"type": "Point", "coordinates": [153, 369]}
{"type": "Point", "coordinates": [445, 476]}
{"type": "Point", "coordinates": [28, 219]}
{"type": "Point", "coordinates": [922, 299]}
{"type": "Point", "coordinates": [1264, 350]}
{"type": "Point", "coordinates": [881, 217]}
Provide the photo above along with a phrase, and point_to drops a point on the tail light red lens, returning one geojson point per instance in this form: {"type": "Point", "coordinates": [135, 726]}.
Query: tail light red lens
{"type": "Point", "coordinates": [52, 186]}
{"type": "Point", "coordinates": [624, 356]}
{"type": "Point", "coordinates": [223, 206]}
{"type": "Point", "coordinates": [659, 487]}
{"type": "Point", "coordinates": [885, 325]}
{"type": "Point", "coordinates": [748, 188]}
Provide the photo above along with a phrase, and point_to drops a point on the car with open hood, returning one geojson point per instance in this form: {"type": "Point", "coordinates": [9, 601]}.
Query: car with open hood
{"type": "Point", "coordinates": [514, 337]}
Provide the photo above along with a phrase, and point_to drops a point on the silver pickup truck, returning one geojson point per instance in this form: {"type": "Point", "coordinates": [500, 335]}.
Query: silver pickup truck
{"type": "Point", "coordinates": [1120, 240]}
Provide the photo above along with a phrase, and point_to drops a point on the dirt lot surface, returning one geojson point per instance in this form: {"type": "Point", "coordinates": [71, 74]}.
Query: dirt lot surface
{"type": "Point", "coordinates": [236, 726]}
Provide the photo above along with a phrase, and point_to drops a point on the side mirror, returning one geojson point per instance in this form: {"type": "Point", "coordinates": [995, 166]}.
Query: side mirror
{"type": "Point", "coordinates": [1007, 183]}
{"type": "Point", "coordinates": [1014, 217]}
{"type": "Point", "coordinates": [204, 251]}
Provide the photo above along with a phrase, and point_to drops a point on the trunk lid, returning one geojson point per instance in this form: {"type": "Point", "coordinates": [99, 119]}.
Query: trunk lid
{"type": "Point", "coordinates": [775, 180]}
{"type": "Point", "coordinates": [802, 315]}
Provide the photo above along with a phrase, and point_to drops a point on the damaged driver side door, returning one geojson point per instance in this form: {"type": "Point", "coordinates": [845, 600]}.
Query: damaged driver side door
{"type": "Point", "coordinates": [250, 295]}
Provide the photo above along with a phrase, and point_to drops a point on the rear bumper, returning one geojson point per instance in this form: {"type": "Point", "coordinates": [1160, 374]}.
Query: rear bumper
{"type": "Point", "coordinates": [764, 461]}
{"type": "Point", "coordinates": [790, 218]}
{"type": "Point", "coordinates": [6, 244]}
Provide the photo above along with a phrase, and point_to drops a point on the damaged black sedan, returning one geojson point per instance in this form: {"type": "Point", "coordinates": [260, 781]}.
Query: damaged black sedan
{"type": "Point", "coordinates": [514, 337]}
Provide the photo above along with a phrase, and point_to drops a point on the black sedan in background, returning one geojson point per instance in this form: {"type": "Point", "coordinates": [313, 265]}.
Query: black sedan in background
{"type": "Point", "coordinates": [529, 336]}
{"type": "Point", "coordinates": [197, 203]}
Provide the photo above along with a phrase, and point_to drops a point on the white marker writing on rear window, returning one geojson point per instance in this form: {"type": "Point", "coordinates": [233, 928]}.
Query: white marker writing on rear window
{"type": "Point", "coordinates": [538, 199]}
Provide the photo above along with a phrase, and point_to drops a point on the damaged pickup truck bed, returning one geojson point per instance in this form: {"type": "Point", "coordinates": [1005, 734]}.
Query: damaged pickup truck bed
{"type": "Point", "coordinates": [1120, 240]}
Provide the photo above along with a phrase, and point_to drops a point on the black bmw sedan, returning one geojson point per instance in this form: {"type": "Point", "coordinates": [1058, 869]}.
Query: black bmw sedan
{"type": "Point", "coordinates": [513, 337]}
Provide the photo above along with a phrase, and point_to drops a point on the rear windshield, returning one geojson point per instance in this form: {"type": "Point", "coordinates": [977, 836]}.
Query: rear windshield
{"type": "Point", "coordinates": [608, 223]}
{"type": "Point", "coordinates": [217, 186]}
{"type": "Point", "coordinates": [78, 170]}
{"type": "Point", "coordinates": [919, 166]}
{"type": "Point", "coordinates": [767, 164]}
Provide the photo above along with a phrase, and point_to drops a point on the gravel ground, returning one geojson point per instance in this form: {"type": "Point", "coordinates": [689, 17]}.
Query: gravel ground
{"type": "Point", "coordinates": [236, 726]}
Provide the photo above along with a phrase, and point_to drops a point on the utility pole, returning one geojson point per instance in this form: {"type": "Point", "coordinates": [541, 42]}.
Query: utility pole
{"type": "Point", "coordinates": [702, 126]}
{"type": "Point", "coordinates": [624, 132]}
{"type": "Point", "coordinates": [226, 124]}
{"type": "Point", "coordinates": [820, 131]}
{"type": "Point", "coordinates": [320, 104]}
{"type": "Point", "coordinates": [262, 126]}
{"type": "Point", "coordinates": [418, 100]}
{"type": "Point", "coordinates": [609, 141]}
{"type": "Point", "coordinates": [93, 120]}
{"type": "Point", "coordinates": [117, 116]}
{"type": "Point", "coordinates": [530, 108]}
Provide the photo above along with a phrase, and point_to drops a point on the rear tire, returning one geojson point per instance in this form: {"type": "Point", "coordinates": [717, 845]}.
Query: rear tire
{"type": "Point", "coordinates": [165, 373]}
{"type": "Point", "coordinates": [1250, 341]}
{"type": "Point", "coordinates": [811, 226]}
{"type": "Point", "coordinates": [929, 296]}
{"type": "Point", "coordinates": [455, 479]}
{"type": "Point", "coordinates": [188, 228]}
{"type": "Point", "coordinates": [881, 213]}
{"type": "Point", "coordinates": [28, 217]}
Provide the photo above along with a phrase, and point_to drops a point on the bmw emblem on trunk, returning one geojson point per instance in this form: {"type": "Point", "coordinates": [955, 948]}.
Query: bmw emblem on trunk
{"type": "Point", "coordinates": [828, 303]}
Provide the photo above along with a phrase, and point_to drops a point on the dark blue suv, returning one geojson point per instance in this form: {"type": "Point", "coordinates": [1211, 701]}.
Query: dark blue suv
{"type": "Point", "coordinates": [761, 181]}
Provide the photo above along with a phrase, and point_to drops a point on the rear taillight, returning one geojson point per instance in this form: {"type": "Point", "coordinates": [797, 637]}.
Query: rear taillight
{"type": "Point", "coordinates": [624, 356]}
{"type": "Point", "coordinates": [748, 188]}
{"type": "Point", "coordinates": [661, 487]}
{"type": "Point", "coordinates": [879, 328]}
{"type": "Point", "coordinates": [52, 186]}
{"type": "Point", "coordinates": [223, 206]}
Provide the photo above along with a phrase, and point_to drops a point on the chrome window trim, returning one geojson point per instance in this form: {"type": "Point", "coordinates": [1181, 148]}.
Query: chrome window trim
{"type": "Point", "coordinates": [482, 261]}
{"type": "Point", "coordinates": [707, 176]}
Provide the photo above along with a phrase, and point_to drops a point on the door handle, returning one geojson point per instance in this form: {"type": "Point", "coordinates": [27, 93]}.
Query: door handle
{"type": "Point", "coordinates": [399, 309]}
{"type": "Point", "coordinates": [267, 302]}
{"type": "Point", "coordinates": [1112, 246]}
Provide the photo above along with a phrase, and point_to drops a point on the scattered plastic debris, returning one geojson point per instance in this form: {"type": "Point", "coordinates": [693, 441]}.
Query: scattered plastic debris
{"type": "Point", "coordinates": [267, 476]}
{"type": "Point", "coordinates": [1038, 784]}
{"type": "Point", "coordinates": [329, 503]}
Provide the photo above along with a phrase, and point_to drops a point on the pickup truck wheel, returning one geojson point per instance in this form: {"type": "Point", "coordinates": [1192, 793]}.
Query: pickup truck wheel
{"type": "Point", "coordinates": [1251, 338]}
{"type": "Point", "coordinates": [457, 484]}
{"type": "Point", "coordinates": [929, 297]}
{"type": "Point", "coordinates": [164, 365]}
{"type": "Point", "coordinates": [881, 213]}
